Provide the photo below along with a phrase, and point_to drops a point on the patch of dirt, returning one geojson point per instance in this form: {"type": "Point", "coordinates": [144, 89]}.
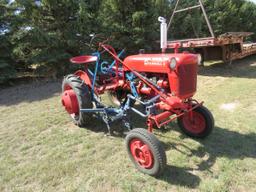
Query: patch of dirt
{"type": "Point", "coordinates": [29, 92]}
{"type": "Point", "coordinates": [229, 106]}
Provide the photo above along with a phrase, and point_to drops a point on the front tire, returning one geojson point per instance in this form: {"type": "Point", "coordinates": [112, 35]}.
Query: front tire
{"type": "Point", "coordinates": [76, 96]}
{"type": "Point", "coordinates": [146, 152]}
{"type": "Point", "coordinates": [199, 124]}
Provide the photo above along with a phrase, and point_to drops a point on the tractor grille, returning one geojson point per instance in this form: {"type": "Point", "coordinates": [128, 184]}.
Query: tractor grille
{"type": "Point", "coordinates": [187, 79]}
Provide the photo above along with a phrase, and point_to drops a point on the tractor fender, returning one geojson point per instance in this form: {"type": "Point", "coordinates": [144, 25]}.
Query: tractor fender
{"type": "Point", "coordinates": [84, 76]}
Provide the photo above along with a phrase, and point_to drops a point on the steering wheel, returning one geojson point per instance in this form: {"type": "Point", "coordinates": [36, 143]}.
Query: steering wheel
{"type": "Point", "coordinates": [110, 50]}
{"type": "Point", "coordinates": [95, 41]}
{"type": "Point", "coordinates": [98, 42]}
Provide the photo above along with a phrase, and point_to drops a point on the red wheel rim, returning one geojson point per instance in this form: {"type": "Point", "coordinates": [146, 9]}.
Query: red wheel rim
{"type": "Point", "coordinates": [194, 122]}
{"type": "Point", "coordinates": [69, 101]}
{"type": "Point", "coordinates": [141, 153]}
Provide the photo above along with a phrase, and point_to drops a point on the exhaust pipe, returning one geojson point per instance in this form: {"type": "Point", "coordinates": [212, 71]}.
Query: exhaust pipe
{"type": "Point", "coordinates": [163, 34]}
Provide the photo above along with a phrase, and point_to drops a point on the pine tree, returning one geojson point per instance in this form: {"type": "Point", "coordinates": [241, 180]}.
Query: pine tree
{"type": "Point", "coordinates": [53, 31]}
{"type": "Point", "coordinates": [46, 33]}
{"type": "Point", "coordinates": [132, 23]}
{"type": "Point", "coordinates": [7, 68]}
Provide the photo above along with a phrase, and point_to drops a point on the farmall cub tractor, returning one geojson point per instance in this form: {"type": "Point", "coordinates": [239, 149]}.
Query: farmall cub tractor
{"type": "Point", "coordinates": [163, 84]}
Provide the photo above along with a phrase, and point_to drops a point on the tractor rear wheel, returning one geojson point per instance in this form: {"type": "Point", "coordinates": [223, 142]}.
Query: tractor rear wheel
{"type": "Point", "coordinates": [76, 96]}
{"type": "Point", "coordinates": [197, 123]}
{"type": "Point", "coordinates": [146, 152]}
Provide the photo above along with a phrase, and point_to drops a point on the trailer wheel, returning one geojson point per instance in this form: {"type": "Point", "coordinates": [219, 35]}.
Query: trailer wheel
{"type": "Point", "coordinates": [201, 53]}
{"type": "Point", "coordinates": [202, 59]}
{"type": "Point", "coordinates": [75, 96]}
{"type": "Point", "coordinates": [146, 152]}
{"type": "Point", "coordinates": [199, 124]}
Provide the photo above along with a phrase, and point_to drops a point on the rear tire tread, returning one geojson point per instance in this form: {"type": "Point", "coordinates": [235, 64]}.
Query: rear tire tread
{"type": "Point", "coordinates": [83, 97]}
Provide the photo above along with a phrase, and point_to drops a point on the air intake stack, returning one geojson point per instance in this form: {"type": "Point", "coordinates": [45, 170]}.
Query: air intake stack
{"type": "Point", "coordinates": [163, 34]}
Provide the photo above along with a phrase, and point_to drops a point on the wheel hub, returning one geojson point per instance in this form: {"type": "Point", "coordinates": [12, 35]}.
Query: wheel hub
{"type": "Point", "coordinates": [141, 153]}
{"type": "Point", "coordinates": [69, 101]}
{"type": "Point", "coordinates": [194, 122]}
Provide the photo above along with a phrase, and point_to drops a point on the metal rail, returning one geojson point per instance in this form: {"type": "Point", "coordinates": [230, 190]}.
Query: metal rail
{"type": "Point", "coordinates": [190, 8]}
{"type": "Point", "coordinates": [206, 18]}
{"type": "Point", "coordinates": [187, 9]}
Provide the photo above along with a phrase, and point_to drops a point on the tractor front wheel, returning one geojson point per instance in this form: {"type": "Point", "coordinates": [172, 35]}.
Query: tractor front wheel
{"type": "Point", "coordinates": [197, 123]}
{"type": "Point", "coordinates": [146, 152]}
{"type": "Point", "coordinates": [76, 96]}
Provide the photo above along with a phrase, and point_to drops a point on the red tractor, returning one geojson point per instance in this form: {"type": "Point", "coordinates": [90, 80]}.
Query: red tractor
{"type": "Point", "coordinates": [163, 84]}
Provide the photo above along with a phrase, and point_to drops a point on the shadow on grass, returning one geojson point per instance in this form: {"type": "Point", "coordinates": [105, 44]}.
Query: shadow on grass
{"type": "Point", "coordinates": [221, 143]}
{"type": "Point", "coordinates": [172, 174]}
{"type": "Point", "coordinates": [29, 92]}
{"type": "Point", "coordinates": [225, 143]}
{"type": "Point", "coordinates": [244, 68]}
{"type": "Point", "coordinates": [180, 176]}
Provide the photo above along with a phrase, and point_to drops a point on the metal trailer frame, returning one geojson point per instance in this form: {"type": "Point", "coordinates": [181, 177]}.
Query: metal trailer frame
{"type": "Point", "coordinates": [226, 47]}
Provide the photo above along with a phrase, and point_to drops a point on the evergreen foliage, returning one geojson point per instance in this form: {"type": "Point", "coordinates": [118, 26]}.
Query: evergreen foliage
{"type": "Point", "coordinates": [46, 33]}
{"type": "Point", "coordinates": [132, 23]}
{"type": "Point", "coordinates": [7, 67]}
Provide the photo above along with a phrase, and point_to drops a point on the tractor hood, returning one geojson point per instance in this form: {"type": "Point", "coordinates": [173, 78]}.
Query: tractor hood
{"type": "Point", "coordinates": [158, 63]}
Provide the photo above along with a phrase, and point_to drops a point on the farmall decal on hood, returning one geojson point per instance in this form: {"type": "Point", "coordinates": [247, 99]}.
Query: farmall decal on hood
{"type": "Point", "coordinates": [159, 61]}
{"type": "Point", "coordinates": [149, 62]}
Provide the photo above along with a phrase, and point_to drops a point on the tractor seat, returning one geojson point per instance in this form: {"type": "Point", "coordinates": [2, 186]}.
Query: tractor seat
{"type": "Point", "coordinates": [83, 59]}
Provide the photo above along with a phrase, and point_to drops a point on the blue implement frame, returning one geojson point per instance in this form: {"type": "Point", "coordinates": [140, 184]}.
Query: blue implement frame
{"type": "Point", "coordinates": [111, 114]}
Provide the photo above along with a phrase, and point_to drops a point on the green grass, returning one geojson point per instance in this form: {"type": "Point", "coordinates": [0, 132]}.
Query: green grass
{"type": "Point", "coordinates": [41, 150]}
